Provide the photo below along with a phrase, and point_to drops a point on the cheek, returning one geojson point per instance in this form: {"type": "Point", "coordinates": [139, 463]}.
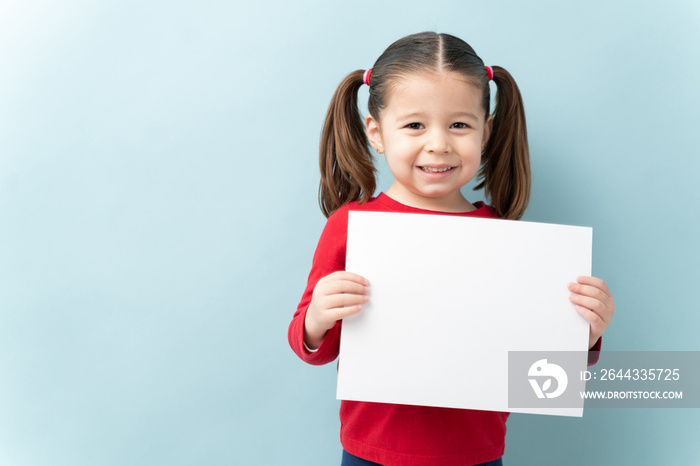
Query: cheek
{"type": "Point", "coordinates": [399, 151]}
{"type": "Point", "coordinates": [473, 146]}
{"type": "Point", "coordinates": [398, 164]}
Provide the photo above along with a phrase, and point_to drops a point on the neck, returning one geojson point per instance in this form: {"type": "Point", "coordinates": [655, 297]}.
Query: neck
{"type": "Point", "coordinates": [453, 203]}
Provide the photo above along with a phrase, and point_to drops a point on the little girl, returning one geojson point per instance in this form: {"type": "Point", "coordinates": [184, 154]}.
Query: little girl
{"type": "Point", "coordinates": [429, 115]}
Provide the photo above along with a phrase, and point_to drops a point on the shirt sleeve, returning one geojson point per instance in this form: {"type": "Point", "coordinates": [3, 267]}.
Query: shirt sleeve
{"type": "Point", "coordinates": [594, 352]}
{"type": "Point", "coordinates": [328, 258]}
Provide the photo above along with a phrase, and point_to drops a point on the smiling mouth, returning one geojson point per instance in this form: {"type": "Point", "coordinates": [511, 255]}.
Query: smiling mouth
{"type": "Point", "coordinates": [435, 170]}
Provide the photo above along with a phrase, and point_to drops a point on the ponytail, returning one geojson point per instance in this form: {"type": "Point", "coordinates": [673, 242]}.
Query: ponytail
{"type": "Point", "coordinates": [505, 169]}
{"type": "Point", "coordinates": [347, 168]}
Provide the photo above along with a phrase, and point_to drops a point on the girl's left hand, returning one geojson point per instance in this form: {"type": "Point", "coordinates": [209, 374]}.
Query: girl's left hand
{"type": "Point", "coordinates": [595, 304]}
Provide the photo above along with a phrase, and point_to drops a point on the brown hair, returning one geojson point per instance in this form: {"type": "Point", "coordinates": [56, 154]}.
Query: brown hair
{"type": "Point", "coordinates": [347, 167]}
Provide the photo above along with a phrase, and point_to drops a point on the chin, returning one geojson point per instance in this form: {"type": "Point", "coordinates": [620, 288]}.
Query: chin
{"type": "Point", "coordinates": [436, 194]}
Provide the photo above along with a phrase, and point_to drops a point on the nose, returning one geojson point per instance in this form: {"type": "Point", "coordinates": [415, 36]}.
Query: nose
{"type": "Point", "coordinates": [438, 142]}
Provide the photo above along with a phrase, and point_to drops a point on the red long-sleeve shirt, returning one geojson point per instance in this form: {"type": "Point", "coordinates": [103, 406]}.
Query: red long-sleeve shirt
{"type": "Point", "coordinates": [392, 434]}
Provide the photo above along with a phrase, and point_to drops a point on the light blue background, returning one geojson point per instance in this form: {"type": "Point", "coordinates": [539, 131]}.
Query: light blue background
{"type": "Point", "coordinates": [158, 214]}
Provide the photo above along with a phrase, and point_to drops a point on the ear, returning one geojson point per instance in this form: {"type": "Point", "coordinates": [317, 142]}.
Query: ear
{"type": "Point", "coordinates": [374, 134]}
{"type": "Point", "coordinates": [488, 127]}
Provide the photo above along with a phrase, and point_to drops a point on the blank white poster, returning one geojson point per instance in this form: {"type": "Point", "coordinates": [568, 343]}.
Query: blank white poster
{"type": "Point", "coordinates": [449, 297]}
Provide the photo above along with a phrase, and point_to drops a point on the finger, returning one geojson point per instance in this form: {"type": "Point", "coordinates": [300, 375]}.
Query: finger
{"type": "Point", "coordinates": [343, 286]}
{"type": "Point", "coordinates": [344, 275]}
{"type": "Point", "coordinates": [592, 304]}
{"type": "Point", "coordinates": [343, 312]}
{"type": "Point", "coordinates": [597, 324]}
{"type": "Point", "coordinates": [589, 290]}
{"type": "Point", "coordinates": [344, 300]}
{"type": "Point", "coordinates": [596, 282]}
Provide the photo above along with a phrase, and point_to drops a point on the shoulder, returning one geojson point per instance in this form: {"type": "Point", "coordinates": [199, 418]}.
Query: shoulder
{"type": "Point", "coordinates": [375, 203]}
{"type": "Point", "coordinates": [337, 223]}
{"type": "Point", "coordinates": [340, 216]}
{"type": "Point", "coordinates": [484, 210]}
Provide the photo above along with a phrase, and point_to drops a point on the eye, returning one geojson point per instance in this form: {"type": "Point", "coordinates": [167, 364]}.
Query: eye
{"type": "Point", "coordinates": [414, 126]}
{"type": "Point", "coordinates": [460, 125]}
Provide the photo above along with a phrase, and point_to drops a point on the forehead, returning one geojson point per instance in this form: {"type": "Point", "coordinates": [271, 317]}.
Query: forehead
{"type": "Point", "coordinates": [439, 90]}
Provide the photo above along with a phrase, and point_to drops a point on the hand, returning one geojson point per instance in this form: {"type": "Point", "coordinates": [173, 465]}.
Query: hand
{"type": "Point", "coordinates": [595, 304]}
{"type": "Point", "coordinates": [336, 296]}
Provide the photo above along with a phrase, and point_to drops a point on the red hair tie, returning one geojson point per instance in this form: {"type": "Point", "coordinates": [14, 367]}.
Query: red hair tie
{"type": "Point", "coordinates": [366, 77]}
{"type": "Point", "coordinates": [489, 72]}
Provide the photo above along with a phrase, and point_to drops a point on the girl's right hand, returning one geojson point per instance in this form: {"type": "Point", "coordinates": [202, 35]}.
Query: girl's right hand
{"type": "Point", "coordinates": [336, 296]}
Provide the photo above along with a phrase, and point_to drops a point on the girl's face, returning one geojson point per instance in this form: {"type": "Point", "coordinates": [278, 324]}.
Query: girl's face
{"type": "Point", "coordinates": [432, 132]}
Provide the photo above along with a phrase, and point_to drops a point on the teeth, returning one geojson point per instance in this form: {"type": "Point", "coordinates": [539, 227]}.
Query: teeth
{"type": "Point", "coordinates": [435, 170]}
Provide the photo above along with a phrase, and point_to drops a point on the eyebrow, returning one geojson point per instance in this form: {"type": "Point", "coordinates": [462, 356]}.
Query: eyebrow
{"type": "Point", "coordinates": [409, 116]}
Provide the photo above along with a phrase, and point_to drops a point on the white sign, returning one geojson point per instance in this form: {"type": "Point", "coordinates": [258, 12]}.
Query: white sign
{"type": "Point", "coordinates": [449, 297]}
